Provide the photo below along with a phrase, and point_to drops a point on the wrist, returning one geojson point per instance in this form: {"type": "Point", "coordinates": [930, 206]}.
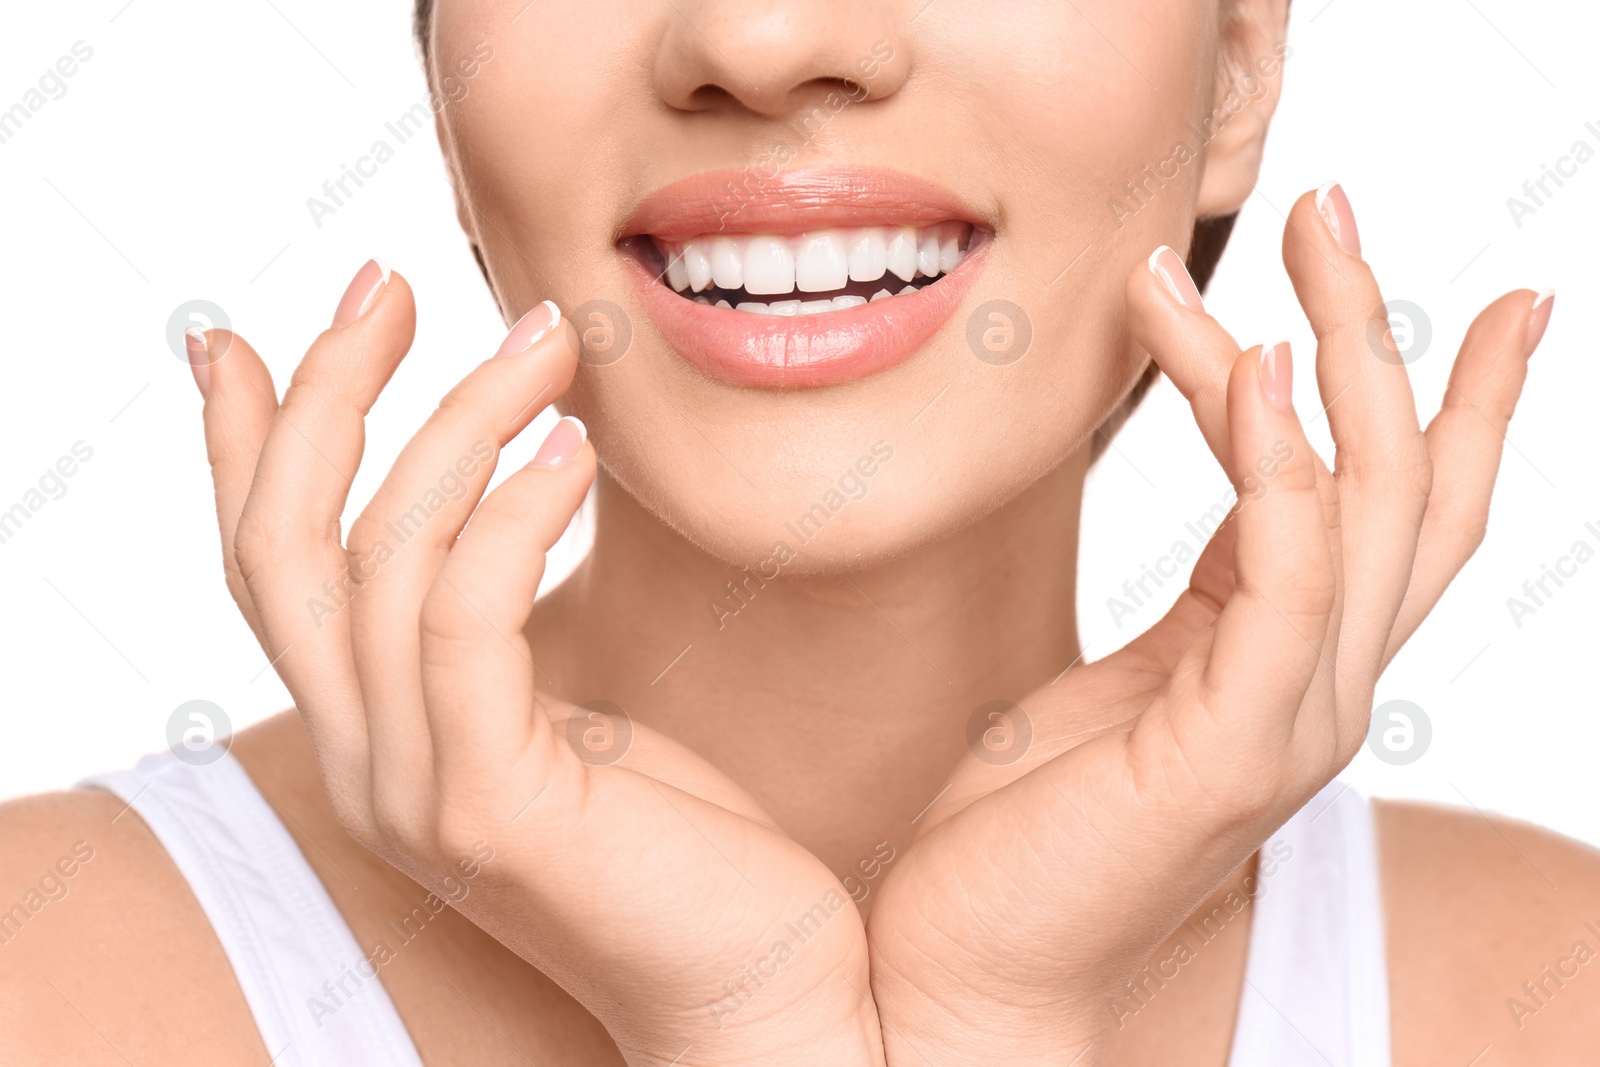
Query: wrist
{"type": "Point", "coordinates": [837, 1025]}
{"type": "Point", "coordinates": [926, 1025]}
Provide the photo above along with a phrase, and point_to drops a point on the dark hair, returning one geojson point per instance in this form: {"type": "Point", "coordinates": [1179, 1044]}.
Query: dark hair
{"type": "Point", "coordinates": [1205, 249]}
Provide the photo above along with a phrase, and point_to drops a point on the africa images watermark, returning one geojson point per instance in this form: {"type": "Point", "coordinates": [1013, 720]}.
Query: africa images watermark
{"type": "Point", "coordinates": [1537, 192]}
{"type": "Point", "coordinates": [805, 127]}
{"type": "Point", "coordinates": [754, 976]}
{"type": "Point", "coordinates": [738, 593]}
{"type": "Point", "coordinates": [336, 192]}
{"type": "Point", "coordinates": [1136, 592]}
{"type": "Point", "coordinates": [1138, 992]}
{"type": "Point", "coordinates": [1537, 592]}
{"type": "Point", "coordinates": [1250, 84]}
{"type": "Point", "coordinates": [337, 992]}
{"type": "Point", "coordinates": [51, 485]}
{"type": "Point", "coordinates": [1538, 992]}
{"type": "Point", "coordinates": [51, 85]}
{"type": "Point", "coordinates": [52, 887]}
{"type": "Point", "coordinates": [402, 528]}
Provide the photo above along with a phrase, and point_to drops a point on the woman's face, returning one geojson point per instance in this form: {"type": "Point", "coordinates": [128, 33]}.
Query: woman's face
{"type": "Point", "coordinates": [997, 168]}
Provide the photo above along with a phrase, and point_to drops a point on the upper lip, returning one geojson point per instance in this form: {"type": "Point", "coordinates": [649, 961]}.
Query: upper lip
{"type": "Point", "coordinates": [750, 200]}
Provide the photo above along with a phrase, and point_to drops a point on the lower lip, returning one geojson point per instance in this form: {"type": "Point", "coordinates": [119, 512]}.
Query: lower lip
{"type": "Point", "coordinates": [804, 351]}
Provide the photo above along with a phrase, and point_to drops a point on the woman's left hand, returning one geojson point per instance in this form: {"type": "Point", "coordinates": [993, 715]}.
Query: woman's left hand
{"type": "Point", "coordinates": [1036, 888]}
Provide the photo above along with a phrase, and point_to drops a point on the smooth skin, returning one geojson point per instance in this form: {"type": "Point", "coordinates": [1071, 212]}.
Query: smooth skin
{"type": "Point", "coordinates": [1001, 932]}
{"type": "Point", "coordinates": [782, 751]}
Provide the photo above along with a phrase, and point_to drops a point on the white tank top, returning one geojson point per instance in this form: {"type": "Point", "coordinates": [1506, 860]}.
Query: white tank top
{"type": "Point", "coordinates": [1316, 991]}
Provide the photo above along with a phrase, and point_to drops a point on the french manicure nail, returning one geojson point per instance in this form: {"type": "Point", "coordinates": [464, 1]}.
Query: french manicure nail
{"type": "Point", "coordinates": [562, 444]}
{"type": "Point", "coordinates": [1168, 266]}
{"type": "Point", "coordinates": [1334, 207]}
{"type": "Point", "coordinates": [1538, 319]}
{"type": "Point", "coordinates": [363, 291]}
{"type": "Point", "coordinates": [1277, 375]}
{"type": "Point", "coordinates": [531, 328]}
{"type": "Point", "coordinates": [195, 347]}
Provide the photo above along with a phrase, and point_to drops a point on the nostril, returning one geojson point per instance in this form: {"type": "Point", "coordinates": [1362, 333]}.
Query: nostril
{"type": "Point", "coordinates": [710, 97]}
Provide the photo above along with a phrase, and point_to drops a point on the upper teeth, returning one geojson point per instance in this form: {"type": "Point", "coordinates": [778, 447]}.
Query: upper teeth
{"type": "Point", "coordinates": [816, 262]}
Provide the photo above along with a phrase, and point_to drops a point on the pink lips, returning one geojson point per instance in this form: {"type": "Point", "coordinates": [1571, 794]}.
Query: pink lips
{"type": "Point", "coordinates": [771, 351]}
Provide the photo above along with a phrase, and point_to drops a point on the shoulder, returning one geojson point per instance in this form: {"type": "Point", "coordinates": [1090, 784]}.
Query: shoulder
{"type": "Point", "coordinates": [105, 955]}
{"type": "Point", "coordinates": [1493, 928]}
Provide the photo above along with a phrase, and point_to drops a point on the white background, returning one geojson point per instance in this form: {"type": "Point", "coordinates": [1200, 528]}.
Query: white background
{"type": "Point", "coordinates": [178, 163]}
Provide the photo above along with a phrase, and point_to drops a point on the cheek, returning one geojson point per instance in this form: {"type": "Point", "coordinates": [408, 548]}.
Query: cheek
{"type": "Point", "coordinates": [1098, 122]}
{"type": "Point", "coordinates": [539, 135]}
{"type": "Point", "coordinates": [1097, 96]}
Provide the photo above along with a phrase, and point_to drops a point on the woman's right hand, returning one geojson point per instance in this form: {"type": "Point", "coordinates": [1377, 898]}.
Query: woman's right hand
{"type": "Point", "coordinates": [651, 888]}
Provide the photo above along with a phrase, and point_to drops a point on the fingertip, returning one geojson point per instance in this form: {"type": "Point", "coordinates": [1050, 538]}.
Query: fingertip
{"type": "Point", "coordinates": [1169, 269]}
{"type": "Point", "coordinates": [1275, 371]}
{"type": "Point", "coordinates": [562, 445]}
{"type": "Point", "coordinates": [1539, 319]}
{"type": "Point", "coordinates": [1263, 422]}
{"type": "Point", "coordinates": [196, 349]}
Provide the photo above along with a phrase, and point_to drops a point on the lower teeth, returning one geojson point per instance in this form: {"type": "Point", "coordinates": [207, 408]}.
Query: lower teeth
{"type": "Point", "coordinates": [803, 307]}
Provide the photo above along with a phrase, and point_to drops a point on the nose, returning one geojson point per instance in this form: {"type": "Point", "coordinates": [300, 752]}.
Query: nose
{"type": "Point", "coordinates": [777, 57]}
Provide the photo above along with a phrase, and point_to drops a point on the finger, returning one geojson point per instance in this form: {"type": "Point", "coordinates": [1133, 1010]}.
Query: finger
{"type": "Point", "coordinates": [1465, 441]}
{"type": "Point", "coordinates": [1170, 322]}
{"type": "Point", "coordinates": [240, 402]}
{"type": "Point", "coordinates": [1268, 641]}
{"type": "Point", "coordinates": [1381, 464]}
{"type": "Point", "coordinates": [288, 541]}
{"type": "Point", "coordinates": [1210, 586]}
{"type": "Point", "coordinates": [477, 666]}
{"type": "Point", "coordinates": [405, 533]}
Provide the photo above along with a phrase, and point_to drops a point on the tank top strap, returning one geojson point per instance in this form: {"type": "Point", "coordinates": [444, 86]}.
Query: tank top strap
{"type": "Point", "coordinates": [315, 995]}
{"type": "Point", "coordinates": [1316, 989]}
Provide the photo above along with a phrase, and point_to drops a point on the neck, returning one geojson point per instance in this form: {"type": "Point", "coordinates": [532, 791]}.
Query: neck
{"type": "Point", "coordinates": [841, 701]}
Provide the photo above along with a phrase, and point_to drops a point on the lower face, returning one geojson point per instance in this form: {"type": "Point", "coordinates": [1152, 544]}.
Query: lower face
{"type": "Point", "coordinates": [879, 286]}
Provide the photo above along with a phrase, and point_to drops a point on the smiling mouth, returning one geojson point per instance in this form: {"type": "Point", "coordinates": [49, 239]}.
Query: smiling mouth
{"type": "Point", "coordinates": [810, 273]}
{"type": "Point", "coordinates": [803, 278]}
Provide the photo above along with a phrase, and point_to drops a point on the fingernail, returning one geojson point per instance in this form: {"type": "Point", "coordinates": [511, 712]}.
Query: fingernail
{"type": "Point", "coordinates": [1168, 266]}
{"type": "Point", "coordinates": [363, 291]}
{"type": "Point", "coordinates": [1335, 209]}
{"type": "Point", "coordinates": [1539, 318]}
{"type": "Point", "coordinates": [194, 345]}
{"type": "Point", "coordinates": [530, 329]}
{"type": "Point", "coordinates": [562, 444]}
{"type": "Point", "coordinates": [1277, 375]}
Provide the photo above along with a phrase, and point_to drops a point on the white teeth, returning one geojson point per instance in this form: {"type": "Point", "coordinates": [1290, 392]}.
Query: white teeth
{"type": "Point", "coordinates": [807, 307]}
{"type": "Point", "coordinates": [928, 254]}
{"type": "Point", "coordinates": [821, 262]}
{"type": "Point", "coordinates": [727, 262]}
{"type": "Point", "coordinates": [902, 253]}
{"type": "Point", "coordinates": [881, 294]}
{"type": "Point", "coordinates": [698, 264]}
{"type": "Point", "coordinates": [869, 255]}
{"type": "Point", "coordinates": [907, 290]}
{"type": "Point", "coordinates": [949, 252]}
{"type": "Point", "coordinates": [768, 266]}
{"type": "Point", "coordinates": [724, 304]}
{"type": "Point", "coordinates": [677, 274]}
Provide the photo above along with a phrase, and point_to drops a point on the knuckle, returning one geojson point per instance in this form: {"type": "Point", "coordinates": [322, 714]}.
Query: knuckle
{"type": "Point", "coordinates": [445, 617]}
{"type": "Point", "coordinates": [258, 547]}
{"type": "Point", "coordinates": [457, 835]}
{"type": "Point", "coordinates": [365, 533]}
{"type": "Point", "coordinates": [396, 828]}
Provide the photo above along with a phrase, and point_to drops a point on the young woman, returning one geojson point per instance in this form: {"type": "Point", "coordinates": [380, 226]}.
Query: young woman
{"type": "Point", "coordinates": [804, 763]}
